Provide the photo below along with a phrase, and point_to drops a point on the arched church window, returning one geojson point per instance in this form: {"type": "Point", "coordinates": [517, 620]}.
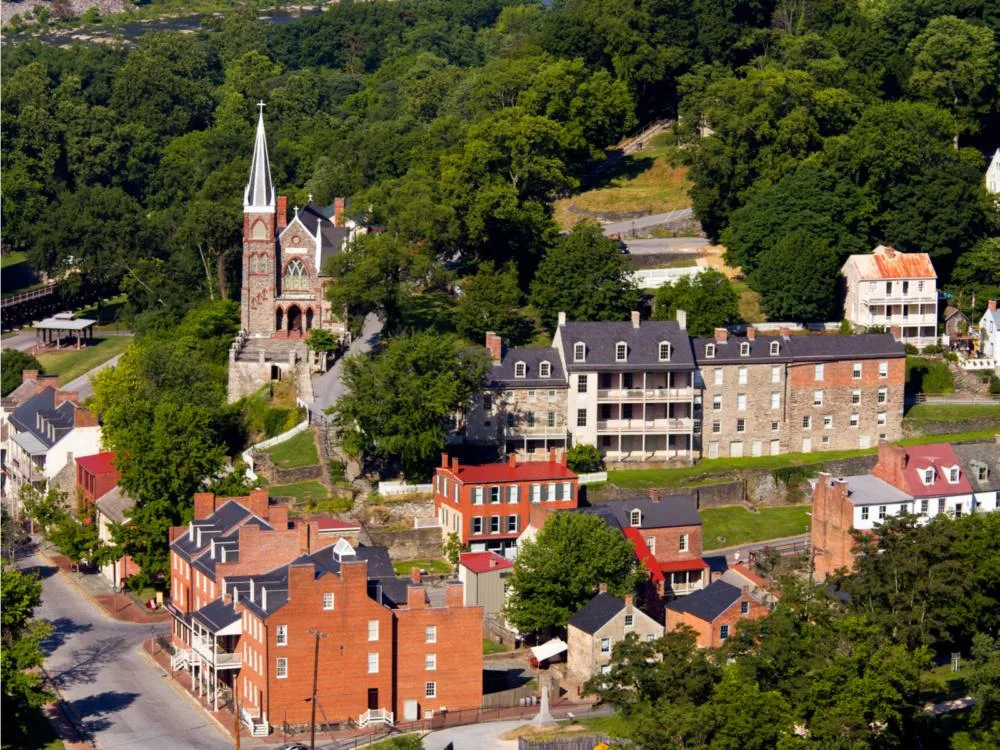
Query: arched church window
{"type": "Point", "coordinates": [258, 231]}
{"type": "Point", "coordinates": [296, 276]}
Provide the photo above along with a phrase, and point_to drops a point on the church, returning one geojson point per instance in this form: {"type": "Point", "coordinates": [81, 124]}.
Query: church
{"type": "Point", "coordinates": [281, 296]}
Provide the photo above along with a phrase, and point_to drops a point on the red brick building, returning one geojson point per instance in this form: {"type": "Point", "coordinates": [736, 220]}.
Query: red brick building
{"type": "Point", "coordinates": [251, 594]}
{"type": "Point", "coordinates": [489, 505]}
{"type": "Point", "coordinates": [95, 475]}
{"type": "Point", "coordinates": [715, 612]}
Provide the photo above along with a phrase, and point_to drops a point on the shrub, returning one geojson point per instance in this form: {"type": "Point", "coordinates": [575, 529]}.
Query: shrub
{"type": "Point", "coordinates": [928, 376]}
{"type": "Point", "coordinates": [584, 459]}
{"type": "Point", "coordinates": [933, 349]}
{"type": "Point", "coordinates": [951, 356]}
{"type": "Point", "coordinates": [910, 349]}
{"type": "Point", "coordinates": [846, 328]}
{"type": "Point", "coordinates": [994, 385]}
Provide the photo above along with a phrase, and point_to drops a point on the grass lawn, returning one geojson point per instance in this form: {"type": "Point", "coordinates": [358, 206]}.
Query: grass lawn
{"type": "Point", "coordinates": [492, 647]}
{"type": "Point", "coordinates": [730, 526]}
{"type": "Point", "coordinates": [72, 363]}
{"type": "Point", "coordinates": [303, 492]}
{"type": "Point", "coordinates": [399, 742]}
{"type": "Point", "coordinates": [952, 412]}
{"type": "Point", "coordinates": [974, 436]}
{"type": "Point", "coordinates": [941, 684]}
{"type": "Point", "coordinates": [433, 567]}
{"type": "Point", "coordinates": [29, 730]}
{"type": "Point", "coordinates": [299, 450]}
{"type": "Point", "coordinates": [12, 259]}
{"type": "Point", "coordinates": [750, 309]}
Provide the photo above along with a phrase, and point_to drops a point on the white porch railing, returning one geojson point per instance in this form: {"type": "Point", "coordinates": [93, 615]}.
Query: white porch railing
{"type": "Point", "coordinates": [181, 659]}
{"type": "Point", "coordinates": [257, 726]}
{"type": "Point", "coordinates": [375, 716]}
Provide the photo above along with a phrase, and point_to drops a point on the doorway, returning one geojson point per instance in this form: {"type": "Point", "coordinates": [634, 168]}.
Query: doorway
{"type": "Point", "coordinates": [295, 320]}
{"type": "Point", "coordinates": [372, 699]}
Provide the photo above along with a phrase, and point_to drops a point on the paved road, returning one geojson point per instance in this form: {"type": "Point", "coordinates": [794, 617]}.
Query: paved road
{"type": "Point", "coordinates": [672, 245]}
{"type": "Point", "coordinates": [21, 341]}
{"type": "Point", "coordinates": [329, 386]}
{"type": "Point", "coordinates": [84, 385]}
{"type": "Point", "coordinates": [474, 736]}
{"type": "Point", "coordinates": [121, 699]}
{"type": "Point", "coordinates": [643, 222]}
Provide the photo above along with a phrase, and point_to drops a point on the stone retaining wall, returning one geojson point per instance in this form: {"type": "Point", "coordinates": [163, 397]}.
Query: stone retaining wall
{"type": "Point", "coordinates": [408, 544]}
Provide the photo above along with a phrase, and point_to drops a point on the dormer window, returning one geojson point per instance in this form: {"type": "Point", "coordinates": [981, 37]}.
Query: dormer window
{"type": "Point", "coordinates": [953, 475]}
{"type": "Point", "coordinates": [545, 369]}
{"type": "Point", "coordinates": [621, 352]}
{"type": "Point", "coordinates": [520, 369]}
{"type": "Point", "coordinates": [664, 351]}
{"type": "Point", "coordinates": [928, 477]}
{"type": "Point", "coordinates": [775, 348]}
{"type": "Point", "coordinates": [635, 518]}
{"type": "Point", "coordinates": [579, 352]}
{"type": "Point", "coordinates": [745, 349]}
{"type": "Point", "coordinates": [709, 351]}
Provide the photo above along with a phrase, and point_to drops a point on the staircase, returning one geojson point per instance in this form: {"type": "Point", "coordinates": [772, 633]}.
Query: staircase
{"type": "Point", "coordinates": [181, 659]}
{"type": "Point", "coordinates": [275, 350]}
{"type": "Point", "coordinates": [258, 727]}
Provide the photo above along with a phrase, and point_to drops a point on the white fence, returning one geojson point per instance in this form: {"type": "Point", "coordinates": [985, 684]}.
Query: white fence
{"type": "Point", "coordinates": [979, 364]}
{"type": "Point", "coordinates": [654, 278]}
{"type": "Point", "coordinates": [593, 477]}
{"type": "Point", "coordinates": [426, 523]}
{"type": "Point", "coordinates": [263, 445]}
{"type": "Point", "coordinates": [390, 489]}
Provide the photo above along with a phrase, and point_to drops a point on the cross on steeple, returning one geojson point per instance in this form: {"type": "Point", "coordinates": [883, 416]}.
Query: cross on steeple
{"type": "Point", "coordinates": [261, 105]}
{"type": "Point", "coordinates": [309, 199]}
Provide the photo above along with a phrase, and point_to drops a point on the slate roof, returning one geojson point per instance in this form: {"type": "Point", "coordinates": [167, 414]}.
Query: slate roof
{"type": "Point", "coordinates": [222, 522]}
{"type": "Point", "coordinates": [808, 348]}
{"type": "Point", "coordinates": [259, 192]}
{"type": "Point", "coordinates": [391, 590]}
{"type": "Point", "coordinates": [708, 603]}
{"type": "Point", "coordinates": [114, 503]}
{"type": "Point", "coordinates": [670, 510]}
{"type": "Point", "coordinates": [728, 351]}
{"type": "Point", "coordinates": [974, 456]}
{"type": "Point", "coordinates": [604, 511]}
{"type": "Point", "coordinates": [216, 615]}
{"type": "Point", "coordinates": [594, 614]}
{"type": "Point", "coordinates": [643, 342]}
{"type": "Point", "coordinates": [502, 373]}
{"type": "Point", "coordinates": [36, 414]}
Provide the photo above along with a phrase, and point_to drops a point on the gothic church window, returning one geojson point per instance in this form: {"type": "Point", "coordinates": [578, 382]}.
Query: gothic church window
{"type": "Point", "coordinates": [296, 276]}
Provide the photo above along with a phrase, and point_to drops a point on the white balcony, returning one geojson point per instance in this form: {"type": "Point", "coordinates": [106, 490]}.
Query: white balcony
{"type": "Point", "coordinates": [922, 298]}
{"type": "Point", "coordinates": [645, 425]}
{"type": "Point", "coordinates": [210, 652]}
{"type": "Point", "coordinates": [645, 394]}
{"type": "Point", "coordinates": [535, 431]}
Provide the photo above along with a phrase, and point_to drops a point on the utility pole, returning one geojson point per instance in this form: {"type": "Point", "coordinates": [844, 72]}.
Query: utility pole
{"type": "Point", "coordinates": [317, 634]}
{"type": "Point", "coordinates": [236, 715]}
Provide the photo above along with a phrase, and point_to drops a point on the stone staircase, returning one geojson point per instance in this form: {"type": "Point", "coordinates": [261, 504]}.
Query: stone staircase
{"type": "Point", "coordinates": [275, 350]}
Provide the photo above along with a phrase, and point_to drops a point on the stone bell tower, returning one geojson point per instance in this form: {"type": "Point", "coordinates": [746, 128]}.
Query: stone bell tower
{"type": "Point", "coordinates": [259, 242]}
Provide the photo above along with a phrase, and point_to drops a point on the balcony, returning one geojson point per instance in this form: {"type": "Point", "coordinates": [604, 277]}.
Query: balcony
{"type": "Point", "coordinates": [216, 657]}
{"type": "Point", "coordinates": [645, 425]}
{"type": "Point", "coordinates": [535, 431]}
{"type": "Point", "coordinates": [645, 394]}
{"type": "Point", "coordinates": [921, 298]}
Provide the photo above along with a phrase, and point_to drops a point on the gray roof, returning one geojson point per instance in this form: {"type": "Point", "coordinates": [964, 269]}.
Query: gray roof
{"type": "Point", "coordinates": [670, 510]}
{"type": "Point", "coordinates": [259, 192]}
{"type": "Point", "coordinates": [708, 603]}
{"type": "Point", "coordinates": [866, 489]}
{"type": "Point", "coordinates": [216, 615]}
{"type": "Point", "coordinates": [221, 523]}
{"type": "Point", "coordinates": [503, 373]}
{"type": "Point", "coordinates": [975, 456]}
{"type": "Point", "coordinates": [595, 614]}
{"type": "Point", "coordinates": [38, 413]}
{"type": "Point", "coordinates": [806, 348]}
{"type": "Point", "coordinates": [604, 511]}
{"type": "Point", "coordinates": [390, 591]}
{"type": "Point", "coordinates": [114, 503]}
{"type": "Point", "coordinates": [643, 345]}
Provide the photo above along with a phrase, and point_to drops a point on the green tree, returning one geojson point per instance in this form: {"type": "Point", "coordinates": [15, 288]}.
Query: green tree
{"type": "Point", "coordinates": [22, 638]}
{"type": "Point", "coordinates": [984, 684]}
{"type": "Point", "coordinates": [708, 299]}
{"type": "Point", "coordinates": [398, 403]}
{"type": "Point", "coordinates": [44, 508]}
{"type": "Point", "coordinates": [798, 279]}
{"type": "Point", "coordinates": [954, 65]}
{"type": "Point", "coordinates": [12, 364]}
{"type": "Point", "coordinates": [977, 275]}
{"type": "Point", "coordinates": [583, 458]}
{"type": "Point", "coordinates": [76, 537]}
{"type": "Point", "coordinates": [452, 548]}
{"type": "Point", "coordinates": [559, 572]}
{"type": "Point", "coordinates": [585, 275]}
{"type": "Point", "coordinates": [321, 340]}
{"type": "Point", "coordinates": [491, 301]}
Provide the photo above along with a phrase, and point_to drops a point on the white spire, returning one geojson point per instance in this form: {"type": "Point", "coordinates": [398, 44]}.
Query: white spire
{"type": "Point", "coordinates": [993, 174]}
{"type": "Point", "coordinates": [259, 192]}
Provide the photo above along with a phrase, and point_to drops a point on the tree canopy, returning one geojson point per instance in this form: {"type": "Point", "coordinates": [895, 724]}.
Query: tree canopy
{"type": "Point", "coordinates": [13, 363]}
{"type": "Point", "coordinates": [708, 299]}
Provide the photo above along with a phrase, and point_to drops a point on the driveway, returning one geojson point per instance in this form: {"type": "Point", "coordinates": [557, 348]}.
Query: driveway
{"type": "Point", "coordinates": [474, 737]}
{"type": "Point", "coordinates": [329, 386]}
{"type": "Point", "coordinates": [113, 691]}
{"type": "Point", "coordinates": [673, 245]}
{"type": "Point", "coordinates": [644, 222]}
{"type": "Point", "coordinates": [84, 385]}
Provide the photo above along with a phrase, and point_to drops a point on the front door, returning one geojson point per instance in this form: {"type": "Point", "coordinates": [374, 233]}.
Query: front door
{"type": "Point", "coordinates": [372, 699]}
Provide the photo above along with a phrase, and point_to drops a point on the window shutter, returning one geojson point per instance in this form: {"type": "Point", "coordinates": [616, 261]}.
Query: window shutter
{"type": "Point", "coordinates": [559, 492]}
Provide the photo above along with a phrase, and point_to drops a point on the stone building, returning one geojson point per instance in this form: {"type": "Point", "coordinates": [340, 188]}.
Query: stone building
{"type": "Point", "coordinates": [592, 632]}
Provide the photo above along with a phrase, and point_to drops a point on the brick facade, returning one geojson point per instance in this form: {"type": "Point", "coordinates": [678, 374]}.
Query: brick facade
{"type": "Point", "coordinates": [832, 521]}
{"type": "Point", "coordinates": [709, 632]}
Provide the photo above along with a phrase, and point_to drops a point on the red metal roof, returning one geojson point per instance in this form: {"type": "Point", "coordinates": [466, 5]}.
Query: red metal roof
{"type": "Point", "coordinates": [679, 565]}
{"type": "Point", "coordinates": [484, 562]}
{"type": "Point", "coordinates": [941, 458]}
{"type": "Point", "coordinates": [644, 555]}
{"type": "Point", "coordinates": [887, 263]}
{"type": "Point", "coordinates": [534, 471]}
{"type": "Point", "coordinates": [99, 463]}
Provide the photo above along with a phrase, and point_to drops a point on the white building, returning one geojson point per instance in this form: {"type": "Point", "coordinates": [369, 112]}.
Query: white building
{"type": "Point", "coordinates": [889, 288]}
{"type": "Point", "coordinates": [989, 331]}
{"type": "Point", "coordinates": [993, 174]}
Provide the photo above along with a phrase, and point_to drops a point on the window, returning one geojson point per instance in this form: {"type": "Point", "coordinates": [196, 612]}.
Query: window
{"type": "Point", "coordinates": [817, 398]}
{"type": "Point", "coordinates": [775, 400]}
{"type": "Point", "coordinates": [958, 510]}
{"type": "Point", "coordinates": [709, 351]}
{"type": "Point", "coordinates": [855, 420]}
{"type": "Point", "coordinates": [881, 512]}
{"type": "Point", "coordinates": [682, 543]}
{"type": "Point", "coordinates": [281, 635]}
{"type": "Point", "coordinates": [552, 395]}
{"type": "Point", "coordinates": [494, 524]}
{"type": "Point", "coordinates": [626, 380]}
{"type": "Point", "coordinates": [904, 508]}
{"type": "Point", "coordinates": [855, 397]}
{"type": "Point", "coordinates": [941, 505]}
{"type": "Point", "coordinates": [328, 600]}
{"type": "Point", "coordinates": [806, 423]}
{"type": "Point", "coordinates": [605, 669]}
{"type": "Point", "coordinates": [856, 371]}
{"type": "Point", "coordinates": [621, 352]}
{"type": "Point", "coordinates": [545, 369]}
{"type": "Point", "coordinates": [373, 630]}
{"type": "Point", "coordinates": [718, 375]}
{"type": "Point", "coordinates": [627, 411]}
{"type": "Point", "coordinates": [716, 425]}
{"type": "Point", "coordinates": [605, 645]}
{"type": "Point", "coordinates": [664, 351]}
{"type": "Point", "coordinates": [883, 369]}
{"type": "Point", "coordinates": [982, 472]}
{"type": "Point", "coordinates": [827, 421]}
{"type": "Point", "coordinates": [430, 634]}
{"type": "Point", "coordinates": [775, 373]}
{"type": "Point", "coordinates": [477, 524]}
{"type": "Point", "coordinates": [774, 426]}
{"type": "Point", "coordinates": [487, 402]}
{"type": "Point", "coordinates": [883, 395]}
{"type": "Point", "coordinates": [581, 383]}
{"type": "Point", "coordinates": [430, 690]}
{"type": "Point", "coordinates": [581, 417]}
{"type": "Point", "coordinates": [880, 418]}
{"type": "Point", "coordinates": [924, 504]}
{"type": "Point", "coordinates": [520, 369]}
{"type": "Point", "coordinates": [741, 425]}
{"type": "Point", "coordinates": [536, 493]}
{"type": "Point", "coordinates": [818, 374]}
{"type": "Point", "coordinates": [512, 493]}
{"type": "Point", "coordinates": [723, 632]}
{"type": "Point", "coordinates": [953, 475]}
{"type": "Point", "coordinates": [825, 440]}
{"type": "Point", "coordinates": [744, 608]}
{"type": "Point", "coordinates": [531, 395]}
{"type": "Point", "coordinates": [741, 402]}
{"type": "Point", "coordinates": [650, 637]}
{"type": "Point", "coordinates": [920, 284]}
{"type": "Point", "coordinates": [494, 494]}
{"type": "Point", "coordinates": [296, 276]}
{"type": "Point", "coordinates": [579, 352]}
{"type": "Point", "coordinates": [373, 663]}
{"type": "Point", "coordinates": [741, 376]}
{"type": "Point", "coordinates": [477, 495]}
{"type": "Point", "coordinates": [431, 662]}
{"type": "Point", "coordinates": [745, 349]}
{"type": "Point", "coordinates": [281, 668]}
{"type": "Point", "coordinates": [928, 476]}
{"type": "Point", "coordinates": [651, 543]}
{"type": "Point", "coordinates": [550, 419]}
{"type": "Point", "coordinates": [775, 348]}
{"type": "Point", "coordinates": [629, 621]}
{"type": "Point", "coordinates": [512, 522]}
{"type": "Point", "coordinates": [635, 518]}
{"type": "Point", "coordinates": [864, 513]}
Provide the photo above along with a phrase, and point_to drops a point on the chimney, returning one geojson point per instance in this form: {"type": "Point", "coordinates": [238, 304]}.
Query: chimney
{"type": "Point", "coordinates": [890, 252]}
{"type": "Point", "coordinates": [338, 212]}
{"type": "Point", "coordinates": [751, 333]}
{"type": "Point", "coordinates": [444, 460]}
{"type": "Point", "coordinates": [629, 600]}
{"type": "Point", "coordinates": [653, 495]}
{"type": "Point", "coordinates": [635, 318]}
{"type": "Point", "coordinates": [282, 211]}
{"type": "Point", "coordinates": [896, 331]}
{"type": "Point", "coordinates": [204, 505]}
{"type": "Point", "coordinates": [258, 502]}
{"type": "Point", "coordinates": [277, 516]}
{"type": "Point", "coordinates": [602, 588]}
{"type": "Point", "coordinates": [512, 460]}
{"type": "Point", "coordinates": [62, 397]}
{"type": "Point", "coordinates": [682, 320]}
{"type": "Point", "coordinates": [46, 381]}
{"type": "Point", "coordinates": [416, 596]}
{"type": "Point", "coordinates": [308, 532]}
{"type": "Point", "coordinates": [174, 532]}
{"type": "Point", "coordinates": [552, 455]}
{"type": "Point", "coordinates": [301, 578]}
{"type": "Point", "coordinates": [992, 305]}
{"type": "Point", "coordinates": [784, 332]}
{"type": "Point", "coordinates": [890, 464]}
{"type": "Point", "coordinates": [415, 575]}
{"type": "Point", "coordinates": [492, 561]}
{"type": "Point", "coordinates": [454, 466]}
{"type": "Point", "coordinates": [562, 319]}
{"type": "Point", "coordinates": [494, 344]}
{"type": "Point", "coordinates": [721, 334]}
{"type": "Point", "coordinates": [563, 459]}
{"type": "Point", "coordinates": [27, 375]}
{"type": "Point", "coordinates": [454, 594]}
{"type": "Point", "coordinates": [84, 418]}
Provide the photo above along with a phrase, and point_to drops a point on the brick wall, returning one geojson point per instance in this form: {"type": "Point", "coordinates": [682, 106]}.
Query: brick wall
{"type": "Point", "coordinates": [709, 632]}
{"type": "Point", "coordinates": [259, 274]}
{"type": "Point", "coordinates": [667, 542]}
{"type": "Point", "coordinates": [832, 520]}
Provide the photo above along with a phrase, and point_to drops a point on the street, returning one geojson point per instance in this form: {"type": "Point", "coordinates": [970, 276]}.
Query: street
{"type": "Point", "coordinates": [118, 696]}
{"type": "Point", "coordinates": [625, 227]}
{"type": "Point", "coordinates": [329, 386]}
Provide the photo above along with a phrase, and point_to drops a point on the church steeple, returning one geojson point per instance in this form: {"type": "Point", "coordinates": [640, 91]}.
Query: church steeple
{"type": "Point", "coordinates": [259, 192]}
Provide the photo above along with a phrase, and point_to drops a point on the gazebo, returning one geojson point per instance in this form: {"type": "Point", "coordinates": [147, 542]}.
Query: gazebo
{"type": "Point", "coordinates": [55, 329]}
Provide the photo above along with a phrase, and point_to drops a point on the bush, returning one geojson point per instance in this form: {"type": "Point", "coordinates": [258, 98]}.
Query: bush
{"type": "Point", "coordinates": [910, 349]}
{"type": "Point", "coordinates": [584, 459]}
{"type": "Point", "coordinates": [12, 363]}
{"type": "Point", "coordinates": [933, 349]}
{"type": "Point", "coordinates": [846, 328]}
{"type": "Point", "coordinates": [951, 356]}
{"type": "Point", "coordinates": [928, 376]}
{"type": "Point", "coordinates": [995, 385]}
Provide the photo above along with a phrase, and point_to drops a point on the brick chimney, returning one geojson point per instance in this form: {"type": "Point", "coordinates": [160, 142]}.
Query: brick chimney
{"type": "Point", "coordinates": [890, 252]}
{"type": "Point", "coordinates": [444, 460]}
{"type": "Point", "coordinates": [415, 575]}
{"type": "Point", "coordinates": [27, 375]}
{"type": "Point", "coordinates": [416, 596]}
{"type": "Point", "coordinates": [62, 397]}
{"type": "Point", "coordinates": [896, 331]}
{"type": "Point", "coordinates": [552, 456]}
{"type": "Point", "coordinates": [629, 600]}
{"type": "Point", "coordinates": [512, 460]}
{"type": "Point", "coordinates": [721, 334]}
{"type": "Point", "coordinates": [635, 318]}
{"type": "Point", "coordinates": [602, 588]}
{"type": "Point", "coordinates": [751, 333]}
{"type": "Point", "coordinates": [454, 594]}
{"type": "Point", "coordinates": [454, 466]}
{"type": "Point", "coordinates": [84, 418]}
{"type": "Point", "coordinates": [494, 344]}
{"type": "Point", "coordinates": [258, 501]}
{"type": "Point", "coordinates": [277, 516]}
{"type": "Point", "coordinates": [890, 465]}
{"type": "Point", "coordinates": [338, 212]}
{"type": "Point", "coordinates": [282, 211]}
{"type": "Point", "coordinates": [492, 562]}
{"type": "Point", "coordinates": [992, 305]}
{"type": "Point", "coordinates": [204, 505]}
{"type": "Point", "coordinates": [46, 381]}
{"type": "Point", "coordinates": [682, 320]}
